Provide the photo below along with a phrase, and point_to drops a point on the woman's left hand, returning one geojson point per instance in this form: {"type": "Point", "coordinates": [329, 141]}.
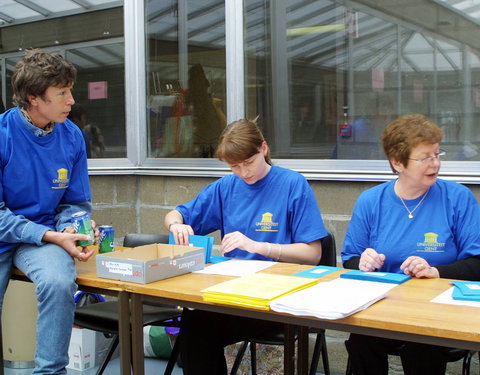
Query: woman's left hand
{"type": "Point", "coordinates": [237, 240]}
{"type": "Point", "coordinates": [419, 267]}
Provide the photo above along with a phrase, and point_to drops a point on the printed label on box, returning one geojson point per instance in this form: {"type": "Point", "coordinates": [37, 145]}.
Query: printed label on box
{"type": "Point", "coordinates": [121, 268]}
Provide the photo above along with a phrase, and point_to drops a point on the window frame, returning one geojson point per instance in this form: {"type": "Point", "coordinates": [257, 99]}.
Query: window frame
{"type": "Point", "coordinates": [137, 163]}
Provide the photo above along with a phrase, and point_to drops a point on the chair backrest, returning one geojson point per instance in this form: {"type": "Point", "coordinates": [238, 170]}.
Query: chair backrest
{"type": "Point", "coordinates": [329, 251]}
{"type": "Point", "coordinates": [139, 239]}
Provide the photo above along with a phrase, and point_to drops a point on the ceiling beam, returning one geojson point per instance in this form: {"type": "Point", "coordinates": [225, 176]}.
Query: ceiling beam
{"type": "Point", "coordinates": [36, 8]}
{"type": "Point", "coordinates": [83, 3]}
{"type": "Point", "coordinates": [6, 18]}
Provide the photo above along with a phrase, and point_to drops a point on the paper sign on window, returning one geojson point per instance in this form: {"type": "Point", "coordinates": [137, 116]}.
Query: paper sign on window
{"type": "Point", "coordinates": [98, 90]}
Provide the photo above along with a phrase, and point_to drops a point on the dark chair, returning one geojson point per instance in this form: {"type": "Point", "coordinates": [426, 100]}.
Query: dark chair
{"type": "Point", "coordinates": [103, 316]}
{"type": "Point", "coordinates": [453, 355]}
{"type": "Point", "coordinates": [329, 258]}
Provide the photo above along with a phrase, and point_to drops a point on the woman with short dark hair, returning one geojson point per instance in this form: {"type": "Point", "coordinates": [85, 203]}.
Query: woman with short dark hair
{"type": "Point", "coordinates": [416, 224]}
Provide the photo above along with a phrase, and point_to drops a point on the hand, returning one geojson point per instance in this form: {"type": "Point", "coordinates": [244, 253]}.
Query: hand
{"type": "Point", "coordinates": [96, 232]}
{"type": "Point", "coordinates": [237, 240]}
{"type": "Point", "coordinates": [419, 267]}
{"type": "Point", "coordinates": [68, 241]}
{"type": "Point", "coordinates": [370, 260]}
{"type": "Point", "coordinates": [181, 233]}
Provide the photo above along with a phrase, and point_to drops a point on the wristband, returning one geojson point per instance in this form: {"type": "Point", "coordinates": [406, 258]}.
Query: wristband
{"type": "Point", "coordinates": [279, 252]}
{"type": "Point", "coordinates": [169, 225]}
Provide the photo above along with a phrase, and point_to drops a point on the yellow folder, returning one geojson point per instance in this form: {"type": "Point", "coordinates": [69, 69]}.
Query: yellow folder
{"type": "Point", "coordinates": [256, 290]}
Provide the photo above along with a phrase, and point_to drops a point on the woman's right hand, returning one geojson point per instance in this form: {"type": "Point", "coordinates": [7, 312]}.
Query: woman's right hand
{"type": "Point", "coordinates": [181, 233]}
{"type": "Point", "coordinates": [370, 260]}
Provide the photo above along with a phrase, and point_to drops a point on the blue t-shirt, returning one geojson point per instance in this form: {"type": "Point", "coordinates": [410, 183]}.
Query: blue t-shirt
{"type": "Point", "coordinates": [280, 208]}
{"type": "Point", "coordinates": [39, 177]}
{"type": "Point", "coordinates": [445, 226]}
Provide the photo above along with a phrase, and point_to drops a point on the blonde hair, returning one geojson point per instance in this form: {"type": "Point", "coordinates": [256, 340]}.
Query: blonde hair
{"type": "Point", "coordinates": [239, 141]}
{"type": "Point", "coordinates": [405, 133]}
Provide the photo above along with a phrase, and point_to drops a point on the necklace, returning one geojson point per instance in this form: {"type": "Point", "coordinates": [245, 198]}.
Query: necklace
{"type": "Point", "coordinates": [410, 213]}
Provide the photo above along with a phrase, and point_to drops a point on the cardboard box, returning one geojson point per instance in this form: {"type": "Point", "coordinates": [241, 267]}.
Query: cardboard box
{"type": "Point", "coordinates": [81, 351]}
{"type": "Point", "coordinates": [145, 264]}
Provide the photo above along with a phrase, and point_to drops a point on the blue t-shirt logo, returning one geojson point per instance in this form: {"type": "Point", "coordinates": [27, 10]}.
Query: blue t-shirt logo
{"type": "Point", "coordinates": [266, 224]}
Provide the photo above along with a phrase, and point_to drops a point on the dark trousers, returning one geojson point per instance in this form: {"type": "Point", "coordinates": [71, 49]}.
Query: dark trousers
{"type": "Point", "coordinates": [205, 334]}
{"type": "Point", "coordinates": [369, 356]}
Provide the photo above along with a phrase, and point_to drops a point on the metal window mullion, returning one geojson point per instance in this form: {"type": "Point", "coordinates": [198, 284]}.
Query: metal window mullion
{"type": "Point", "coordinates": [280, 77]}
{"type": "Point", "coordinates": [234, 52]}
{"type": "Point", "coordinates": [183, 42]}
{"type": "Point", "coordinates": [135, 81]}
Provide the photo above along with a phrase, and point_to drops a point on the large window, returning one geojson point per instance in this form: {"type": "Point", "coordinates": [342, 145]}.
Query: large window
{"type": "Point", "coordinates": [185, 77]}
{"type": "Point", "coordinates": [323, 76]}
{"type": "Point", "coordinates": [93, 41]}
{"type": "Point", "coordinates": [326, 78]}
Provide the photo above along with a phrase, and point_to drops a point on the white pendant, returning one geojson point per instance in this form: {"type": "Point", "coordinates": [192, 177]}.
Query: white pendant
{"type": "Point", "coordinates": [410, 216]}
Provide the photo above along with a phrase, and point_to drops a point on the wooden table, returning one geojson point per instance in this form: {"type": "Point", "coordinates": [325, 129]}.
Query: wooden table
{"type": "Point", "coordinates": [406, 313]}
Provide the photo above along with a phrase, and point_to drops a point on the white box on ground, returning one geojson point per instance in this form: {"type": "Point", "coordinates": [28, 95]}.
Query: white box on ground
{"type": "Point", "coordinates": [81, 351]}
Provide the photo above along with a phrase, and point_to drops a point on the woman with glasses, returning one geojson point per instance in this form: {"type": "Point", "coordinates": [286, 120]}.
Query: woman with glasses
{"type": "Point", "coordinates": [416, 224]}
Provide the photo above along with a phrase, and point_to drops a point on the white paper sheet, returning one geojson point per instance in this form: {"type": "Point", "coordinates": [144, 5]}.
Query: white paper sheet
{"type": "Point", "coordinates": [237, 267]}
{"type": "Point", "coordinates": [446, 297]}
{"type": "Point", "coordinates": [333, 299]}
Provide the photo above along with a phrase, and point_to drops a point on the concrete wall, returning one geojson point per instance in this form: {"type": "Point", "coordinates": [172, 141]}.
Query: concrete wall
{"type": "Point", "coordinates": [139, 203]}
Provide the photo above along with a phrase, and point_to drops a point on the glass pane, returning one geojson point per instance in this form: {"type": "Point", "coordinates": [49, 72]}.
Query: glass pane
{"type": "Point", "coordinates": [325, 78]}
{"type": "Point", "coordinates": [296, 61]}
{"type": "Point", "coordinates": [98, 55]}
{"type": "Point", "coordinates": [185, 77]}
{"type": "Point", "coordinates": [371, 104]}
{"type": "Point", "coordinates": [100, 93]}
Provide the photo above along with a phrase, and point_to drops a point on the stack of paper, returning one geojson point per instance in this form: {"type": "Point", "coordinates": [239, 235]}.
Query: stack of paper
{"type": "Point", "coordinates": [466, 290]}
{"type": "Point", "coordinates": [383, 277]}
{"type": "Point", "coordinates": [255, 290]}
{"type": "Point", "coordinates": [334, 299]}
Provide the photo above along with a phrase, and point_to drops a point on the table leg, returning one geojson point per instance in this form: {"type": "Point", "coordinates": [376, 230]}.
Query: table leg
{"type": "Point", "coordinates": [289, 350]}
{"type": "Point", "coordinates": [302, 350]}
{"type": "Point", "coordinates": [124, 333]}
{"type": "Point", "coordinates": [137, 334]}
{"type": "Point", "coordinates": [1, 348]}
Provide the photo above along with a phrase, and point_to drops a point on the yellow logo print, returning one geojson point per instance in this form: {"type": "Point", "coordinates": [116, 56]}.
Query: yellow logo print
{"type": "Point", "coordinates": [430, 244]}
{"type": "Point", "coordinates": [266, 224]}
{"type": "Point", "coordinates": [431, 237]}
{"type": "Point", "coordinates": [267, 217]}
{"type": "Point", "coordinates": [61, 182]}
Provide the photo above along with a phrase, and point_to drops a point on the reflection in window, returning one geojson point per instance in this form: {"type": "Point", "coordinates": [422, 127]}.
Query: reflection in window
{"type": "Point", "coordinates": [185, 77]}
{"type": "Point", "coordinates": [100, 92]}
{"type": "Point", "coordinates": [326, 79]}
{"type": "Point", "coordinates": [98, 54]}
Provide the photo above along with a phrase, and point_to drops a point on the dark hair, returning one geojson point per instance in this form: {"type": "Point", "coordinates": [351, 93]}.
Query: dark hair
{"type": "Point", "coordinates": [36, 72]}
{"type": "Point", "coordinates": [239, 141]}
{"type": "Point", "coordinates": [405, 133]}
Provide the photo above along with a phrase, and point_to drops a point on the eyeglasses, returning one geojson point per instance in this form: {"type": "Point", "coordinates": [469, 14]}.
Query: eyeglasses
{"type": "Point", "coordinates": [429, 159]}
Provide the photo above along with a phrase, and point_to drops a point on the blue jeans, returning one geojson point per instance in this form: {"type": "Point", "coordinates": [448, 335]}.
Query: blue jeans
{"type": "Point", "coordinates": [52, 270]}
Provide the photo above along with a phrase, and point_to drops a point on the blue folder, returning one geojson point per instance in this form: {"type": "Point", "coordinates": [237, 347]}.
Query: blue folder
{"type": "Point", "coordinates": [466, 290]}
{"type": "Point", "coordinates": [384, 277]}
{"type": "Point", "coordinates": [317, 272]}
{"type": "Point", "coordinates": [202, 241]}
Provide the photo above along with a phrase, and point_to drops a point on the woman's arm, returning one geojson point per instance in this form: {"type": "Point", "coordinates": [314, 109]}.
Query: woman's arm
{"type": "Point", "coordinates": [173, 222]}
{"type": "Point", "coordinates": [463, 269]}
{"type": "Point", "coordinates": [172, 218]}
{"type": "Point", "coordinates": [303, 253]}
